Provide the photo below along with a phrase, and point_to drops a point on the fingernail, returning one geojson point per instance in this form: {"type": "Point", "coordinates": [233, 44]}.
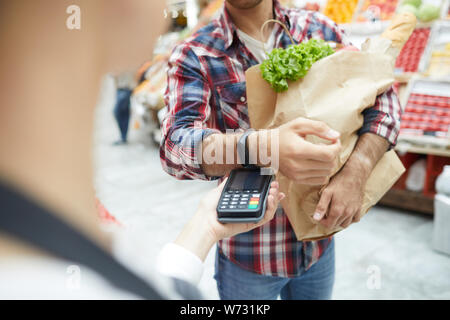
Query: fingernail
{"type": "Point", "coordinates": [317, 216]}
{"type": "Point", "coordinates": [333, 134]}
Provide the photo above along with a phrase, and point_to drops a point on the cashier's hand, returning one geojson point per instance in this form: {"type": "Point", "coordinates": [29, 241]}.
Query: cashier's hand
{"type": "Point", "coordinates": [220, 231]}
{"type": "Point", "coordinates": [341, 201]}
{"type": "Point", "coordinates": [203, 230]}
{"type": "Point", "coordinates": [305, 162]}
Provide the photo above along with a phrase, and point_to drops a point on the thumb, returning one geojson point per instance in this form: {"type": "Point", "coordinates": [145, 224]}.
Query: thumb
{"type": "Point", "coordinates": [215, 193]}
{"type": "Point", "coordinates": [322, 206]}
{"type": "Point", "coordinates": [318, 128]}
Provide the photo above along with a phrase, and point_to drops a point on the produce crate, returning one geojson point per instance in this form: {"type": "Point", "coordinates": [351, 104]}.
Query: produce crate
{"type": "Point", "coordinates": [412, 52]}
{"type": "Point", "coordinates": [427, 111]}
{"type": "Point", "coordinates": [371, 10]}
{"type": "Point", "coordinates": [436, 60]}
{"type": "Point", "coordinates": [340, 11]}
{"type": "Point", "coordinates": [426, 115]}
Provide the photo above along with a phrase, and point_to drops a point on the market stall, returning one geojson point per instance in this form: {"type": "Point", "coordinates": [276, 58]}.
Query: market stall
{"type": "Point", "coordinates": [422, 81]}
{"type": "Point", "coordinates": [423, 85]}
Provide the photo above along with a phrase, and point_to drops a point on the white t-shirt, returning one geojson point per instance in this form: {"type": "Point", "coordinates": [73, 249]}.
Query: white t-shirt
{"type": "Point", "coordinates": [256, 47]}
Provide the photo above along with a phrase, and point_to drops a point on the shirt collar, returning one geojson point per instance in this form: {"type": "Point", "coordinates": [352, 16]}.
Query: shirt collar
{"type": "Point", "coordinates": [230, 29]}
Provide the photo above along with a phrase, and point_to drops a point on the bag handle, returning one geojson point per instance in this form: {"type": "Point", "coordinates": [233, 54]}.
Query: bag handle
{"type": "Point", "coordinates": [281, 24]}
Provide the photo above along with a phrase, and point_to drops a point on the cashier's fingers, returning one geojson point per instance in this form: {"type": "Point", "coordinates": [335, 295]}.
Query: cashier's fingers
{"type": "Point", "coordinates": [273, 199]}
{"type": "Point", "coordinates": [217, 191]}
{"type": "Point", "coordinates": [270, 210]}
{"type": "Point", "coordinates": [222, 185]}
{"type": "Point", "coordinates": [275, 196]}
{"type": "Point", "coordinates": [269, 214]}
{"type": "Point", "coordinates": [209, 202]}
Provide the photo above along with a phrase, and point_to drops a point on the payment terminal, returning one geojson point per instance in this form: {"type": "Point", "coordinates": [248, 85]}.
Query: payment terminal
{"type": "Point", "coordinates": [244, 196]}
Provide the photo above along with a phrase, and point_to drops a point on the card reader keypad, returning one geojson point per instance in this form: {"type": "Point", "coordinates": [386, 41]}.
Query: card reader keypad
{"type": "Point", "coordinates": [246, 199]}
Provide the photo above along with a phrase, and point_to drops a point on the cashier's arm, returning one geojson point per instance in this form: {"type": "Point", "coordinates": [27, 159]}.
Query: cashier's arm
{"type": "Point", "coordinates": [340, 202]}
{"type": "Point", "coordinates": [298, 159]}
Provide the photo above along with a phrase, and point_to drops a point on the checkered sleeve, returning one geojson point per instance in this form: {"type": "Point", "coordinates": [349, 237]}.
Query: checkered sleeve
{"type": "Point", "coordinates": [383, 118]}
{"type": "Point", "coordinates": [317, 26]}
{"type": "Point", "coordinates": [184, 127]}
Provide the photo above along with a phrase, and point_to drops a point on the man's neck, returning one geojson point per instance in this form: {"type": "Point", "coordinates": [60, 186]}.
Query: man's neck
{"type": "Point", "coordinates": [251, 20]}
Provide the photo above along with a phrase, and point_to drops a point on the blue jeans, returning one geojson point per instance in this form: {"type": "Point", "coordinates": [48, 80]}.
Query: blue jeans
{"type": "Point", "coordinates": [316, 283]}
{"type": "Point", "coordinates": [122, 111]}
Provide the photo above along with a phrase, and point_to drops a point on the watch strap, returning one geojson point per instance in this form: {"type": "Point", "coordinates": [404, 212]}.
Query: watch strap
{"type": "Point", "coordinates": [242, 149]}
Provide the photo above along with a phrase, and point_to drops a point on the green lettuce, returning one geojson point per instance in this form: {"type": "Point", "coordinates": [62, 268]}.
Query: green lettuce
{"type": "Point", "coordinates": [293, 62]}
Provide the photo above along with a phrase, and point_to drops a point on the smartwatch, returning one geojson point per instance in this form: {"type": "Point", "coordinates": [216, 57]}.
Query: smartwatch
{"type": "Point", "coordinates": [242, 150]}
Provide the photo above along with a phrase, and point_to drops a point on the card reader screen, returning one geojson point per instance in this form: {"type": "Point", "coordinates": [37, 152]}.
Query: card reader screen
{"type": "Point", "coordinates": [247, 180]}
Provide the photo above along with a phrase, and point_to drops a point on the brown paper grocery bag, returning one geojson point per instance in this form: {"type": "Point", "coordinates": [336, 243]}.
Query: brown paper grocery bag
{"type": "Point", "coordinates": [336, 90]}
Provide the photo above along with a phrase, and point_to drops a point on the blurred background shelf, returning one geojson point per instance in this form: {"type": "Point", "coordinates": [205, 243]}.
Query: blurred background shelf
{"type": "Point", "coordinates": [408, 200]}
{"type": "Point", "coordinates": [428, 150]}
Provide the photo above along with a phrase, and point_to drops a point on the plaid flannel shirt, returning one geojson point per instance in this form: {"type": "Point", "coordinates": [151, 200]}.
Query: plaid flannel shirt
{"type": "Point", "coordinates": [206, 94]}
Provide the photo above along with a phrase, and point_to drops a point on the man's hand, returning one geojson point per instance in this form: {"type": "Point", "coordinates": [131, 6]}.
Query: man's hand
{"type": "Point", "coordinates": [341, 199]}
{"type": "Point", "coordinates": [340, 202]}
{"type": "Point", "coordinates": [305, 162]}
{"type": "Point", "coordinates": [299, 160]}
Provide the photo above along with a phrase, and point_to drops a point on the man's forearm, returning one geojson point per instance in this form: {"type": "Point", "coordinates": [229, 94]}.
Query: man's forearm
{"type": "Point", "coordinates": [341, 201]}
{"type": "Point", "coordinates": [219, 151]}
{"type": "Point", "coordinates": [219, 154]}
{"type": "Point", "coordinates": [368, 151]}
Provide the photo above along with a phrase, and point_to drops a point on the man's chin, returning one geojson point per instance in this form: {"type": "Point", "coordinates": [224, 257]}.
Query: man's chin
{"type": "Point", "coordinates": [244, 4]}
